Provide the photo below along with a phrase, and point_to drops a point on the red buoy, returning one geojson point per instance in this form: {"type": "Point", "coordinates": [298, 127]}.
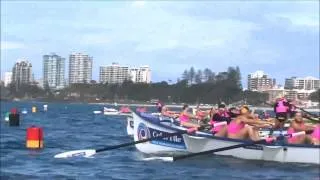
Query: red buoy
{"type": "Point", "coordinates": [34, 137]}
{"type": "Point", "coordinates": [13, 111]}
{"type": "Point", "coordinates": [14, 118]}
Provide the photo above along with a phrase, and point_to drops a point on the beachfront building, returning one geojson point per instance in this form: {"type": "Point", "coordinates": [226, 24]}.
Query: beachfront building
{"type": "Point", "coordinates": [53, 71]}
{"type": "Point", "coordinates": [118, 74]}
{"type": "Point", "coordinates": [7, 78]}
{"type": "Point", "coordinates": [114, 74]}
{"type": "Point", "coordinates": [259, 81]}
{"type": "Point", "coordinates": [275, 93]}
{"type": "Point", "coordinates": [307, 83]}
{"type": "Point", "coordinates": [22, 73]}
{"type": "Point", "coordinates": [295, 94]}
{"type": "Point", "coordinates": [141, 74]}
{"type": "Point", "coordinates": [80, 68]}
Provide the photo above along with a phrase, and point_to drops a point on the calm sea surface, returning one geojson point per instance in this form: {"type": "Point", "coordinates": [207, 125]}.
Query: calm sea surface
{"type": "Point", "coordinates": [74, 126]}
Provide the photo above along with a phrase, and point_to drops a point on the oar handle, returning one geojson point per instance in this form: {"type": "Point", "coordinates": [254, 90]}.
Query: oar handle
{"type": "Point", "coordinates": [220, 124]}
{"type": "Point", "coordinates": [297, 134]}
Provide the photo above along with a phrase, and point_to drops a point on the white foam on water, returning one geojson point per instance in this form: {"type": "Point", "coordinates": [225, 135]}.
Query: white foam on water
{"type": "Point", "coordinates": [168, 159]}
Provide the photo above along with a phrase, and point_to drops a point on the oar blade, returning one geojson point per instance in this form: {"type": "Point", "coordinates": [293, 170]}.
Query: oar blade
{"type": "Point", "coordinates": [170, 159]}
{"type": "Point", "coordinates": [75, 153]}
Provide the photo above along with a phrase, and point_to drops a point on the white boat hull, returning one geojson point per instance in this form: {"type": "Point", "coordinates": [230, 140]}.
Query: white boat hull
{"type": "Point", "coordinates": [111, 113]}
{"type": "Point", "coordinates": [294, 154]}
{"type": "Point", "coordinates": [143, 129]}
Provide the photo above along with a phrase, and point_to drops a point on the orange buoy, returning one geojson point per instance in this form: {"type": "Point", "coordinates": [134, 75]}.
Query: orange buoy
{"type": "Point", "coordinates": [34, 137]}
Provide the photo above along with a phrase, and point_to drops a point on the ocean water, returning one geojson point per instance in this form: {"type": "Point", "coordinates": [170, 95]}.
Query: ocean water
{"type": "Point", "coordinates": [74, 126]}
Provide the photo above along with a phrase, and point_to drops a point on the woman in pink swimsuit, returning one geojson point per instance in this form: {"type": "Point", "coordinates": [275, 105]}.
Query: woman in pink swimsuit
{"type": "Point", "coordinates": [185, 117]}
{"type": "Point", "coordinates": [245, 126]}
{"type": "Point", "coordinates": [165, 112]}
{"type": "Point", "coordinates": [298, 125]}
{"type": "Point", "coordinates": [220, 130]}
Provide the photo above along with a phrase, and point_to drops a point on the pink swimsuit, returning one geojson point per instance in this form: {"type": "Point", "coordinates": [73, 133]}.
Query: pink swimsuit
{"type": "Point", "coordinates": [316, 133]}
{"type": "Point", "coordinates": [291, 131]}
{"type": "Point", "coordinates": [234, 128]}
{"type": "Point", "coordinates": [184, 118]}
{"type": "Point", "coordinates": [215, 129]}
{"type": "Point", "coordinates": [218, 128]}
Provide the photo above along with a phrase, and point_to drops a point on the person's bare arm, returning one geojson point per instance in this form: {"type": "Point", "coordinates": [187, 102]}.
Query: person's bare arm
{"type": "Point", "coordinates": [297, 127]}
{"type": "Point", "coordinates": [256, 122]}
{"type": "Point", "coordinates": [187, 124]}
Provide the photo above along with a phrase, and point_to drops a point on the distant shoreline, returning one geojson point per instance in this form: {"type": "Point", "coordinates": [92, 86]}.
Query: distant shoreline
{"type": "Point", "coordinates": [191, 106]}
{"type": "Point", "coordinates": [141, 104]}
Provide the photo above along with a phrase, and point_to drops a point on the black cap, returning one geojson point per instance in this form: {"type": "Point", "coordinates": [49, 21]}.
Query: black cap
{"type": "Point", "coordinates": [221, 106]}
{"type": "Point", "coordinates": [185, 106]}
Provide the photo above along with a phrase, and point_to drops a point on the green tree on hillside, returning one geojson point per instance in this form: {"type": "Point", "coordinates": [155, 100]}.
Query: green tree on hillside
{"type": "Point", "coordinates": [315, 96]}
{"type": "Point", "coordinates": [198, 77]}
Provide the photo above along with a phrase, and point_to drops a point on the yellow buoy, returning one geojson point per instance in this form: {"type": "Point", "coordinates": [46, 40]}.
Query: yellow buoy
{"type": "Point", "coordinates": [34, 109]}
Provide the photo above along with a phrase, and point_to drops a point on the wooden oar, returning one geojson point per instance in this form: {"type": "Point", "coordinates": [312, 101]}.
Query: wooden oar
{"type": "Point", "coordinates": [91, 152]}
{"type": "Point", "coordinates": [263, 141]}
{"type": "Point", "coordinates": [306, 111]}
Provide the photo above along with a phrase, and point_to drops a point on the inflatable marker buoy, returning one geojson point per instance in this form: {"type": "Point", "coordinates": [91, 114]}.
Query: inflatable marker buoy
{"type": "Point", "coordinates": [6, 116]}
{"type": "Point", "coordinates": [45, 107]}
{"type": "Point", "coordinates": [34, 109]}
{"type": "Point", "coordinates": [34, 138]}
{"type": "Point", "coordinates": [24, 111]}
{"type": "Point", "coordinates": [14, 118]}
{"type": "Point", "coordinates": [97, 112]}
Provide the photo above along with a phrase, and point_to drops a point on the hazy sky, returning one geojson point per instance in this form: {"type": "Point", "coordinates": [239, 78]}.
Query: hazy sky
{"type": "Point", "coordinates": [280, 38]}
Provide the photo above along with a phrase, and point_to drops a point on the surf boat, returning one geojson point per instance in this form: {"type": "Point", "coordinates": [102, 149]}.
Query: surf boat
{"type": "Point", "coordinates": [149, 126]}
{"type": "Point", "coordinates": [110, 111]}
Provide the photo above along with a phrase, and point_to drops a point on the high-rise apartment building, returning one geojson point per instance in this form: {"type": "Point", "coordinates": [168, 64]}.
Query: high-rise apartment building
{"type": "Point", "coordinates": [22, 73]}
{"type": "Point", "coordinates": [114, 74]}
{"type": "Point", "coordinates": [118, 74]}
{"type": "Point", "coordinates": [141, 75]}
{"type": "Point", "coordinates": [258, 81]}
{"type": "Point", "coordinates": [80, 68]}
{"type": "Point", "coordinates": [53, 71]}
{"type": "Point", "coordinates": [307, 83]}
{"type": "Point", "coordinates": [7, 78]}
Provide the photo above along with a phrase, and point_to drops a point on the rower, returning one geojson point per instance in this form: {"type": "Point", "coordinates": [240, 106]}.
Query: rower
{"type": "Point", "coordinates": [246, 126]}
{"type": "Point", "coordinates": [221, 115]}
{"type": "Point", "coordinates": [203, 116]}
{"type": "Point", "coordinates": [185, 117]}
{"type": "Point", "coordinates": [159, 106]}
{"type": "Point", "coordinates": [298, 125]}
{"type": "Point", "coordinates": [165, 112]}
{"type": "Point", "coordinates": [281, 109]}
